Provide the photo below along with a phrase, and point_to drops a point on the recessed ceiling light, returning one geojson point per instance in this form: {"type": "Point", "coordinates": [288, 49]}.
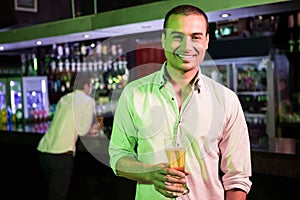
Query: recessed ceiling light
{"type": "Point", "coordinates": [38, 42]}
{"type": "Point", "coordinates": [86, 36]}
{"type": "Point", "coordinates": [225, 15]}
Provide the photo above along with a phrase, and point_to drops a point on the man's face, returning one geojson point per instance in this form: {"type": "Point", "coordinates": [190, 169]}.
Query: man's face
{"type": "Point", "coordinates": [185, 41]}
{"type": "Point", "coordinates": [88, 88]}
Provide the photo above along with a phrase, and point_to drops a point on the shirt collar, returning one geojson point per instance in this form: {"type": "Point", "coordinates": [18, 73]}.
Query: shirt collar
{"type": "Point", "coordinates": [163, 79]}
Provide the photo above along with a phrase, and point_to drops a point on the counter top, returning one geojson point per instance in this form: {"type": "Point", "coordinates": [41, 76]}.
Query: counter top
{"type": "Point", "coordinates": [278, 157]}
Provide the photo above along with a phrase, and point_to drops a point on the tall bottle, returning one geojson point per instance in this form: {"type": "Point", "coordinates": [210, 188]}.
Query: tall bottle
{"type": "Point", "coordinates": [249, 80]}
{"type": "Point", "coordinates": [291, 25]}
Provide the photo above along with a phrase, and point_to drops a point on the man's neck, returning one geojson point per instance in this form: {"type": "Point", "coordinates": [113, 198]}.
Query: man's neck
{"type": "Point", "coordinates": [181, 82]}
{"type": "Point", "coordinates": [180, 79]}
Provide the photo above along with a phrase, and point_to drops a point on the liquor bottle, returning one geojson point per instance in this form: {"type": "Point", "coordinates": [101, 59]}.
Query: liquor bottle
{"type": "Point", "coordinates": [73, 66]}
{"type": "Point", "coordinates": [67, 75]}
{"type": "Point", "coordinates": [63, 82]}
{"type": "Point", "coordinates": [51, 81]}
{"type": "Point", "coordinates": [19, 114]}
{"type": "Point", "coordinates": [90, 66]}
{"type": "Point", "coordinates": [249, 80]}
{"type": "Point", "coordinates": [291, 21]}
{"type": "Point", "coordinates": [84, 66]}
{"type": "Point", "coordinates": [83, 52]}
{"type": "Point", "coordinates": [291, 25]}
{"type": "Point", "coordinates": [104, 56]}
{"type": "Point", "coordinates": [113, 57]}
{"type": "Point", "coordinates": [60, 52]}
{"type": "Point", "coordinates": [95, 66]}
{"type": "Point", "coordinates": [3, 115]}
{"type": "Point", "coordinates": [67, 50]}
{"type": "Point", "coordinates": [30, 69]}
{"type": "Point", "coordinates": [291, 43]}
{"type": "Point", "coordinates": [23, 63]}
{"type": "Point", "coordinates": [99, 57]}
{"type": "Point", "coordinates": [263, 79]}
{"type": "Point", "coordinates": [9, 115]}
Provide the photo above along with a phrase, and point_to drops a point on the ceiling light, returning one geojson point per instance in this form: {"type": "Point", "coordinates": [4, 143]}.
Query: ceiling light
{"type": "Point", "coordinates": [38, 43]}
{"type": "Point", "coordinates": [1, 48]}
{"type": "Point", "coordinates": [225, 15]}
{"type": "Point", "coordinates": [86, 36]}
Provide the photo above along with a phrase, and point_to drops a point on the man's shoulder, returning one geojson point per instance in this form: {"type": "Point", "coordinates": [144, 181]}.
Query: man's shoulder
{"type": "Point", "coordinates": [217, 87]}
{"type": "Point", "coordinates": [145, 80]}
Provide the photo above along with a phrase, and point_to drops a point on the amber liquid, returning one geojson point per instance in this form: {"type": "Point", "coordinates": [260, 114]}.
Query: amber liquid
{"type": "Point", "coordinates": [176, 158]}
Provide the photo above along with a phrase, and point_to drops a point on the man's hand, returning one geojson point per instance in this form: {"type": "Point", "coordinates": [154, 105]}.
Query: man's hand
{"type": "Point", "coordinates": [169, 182]}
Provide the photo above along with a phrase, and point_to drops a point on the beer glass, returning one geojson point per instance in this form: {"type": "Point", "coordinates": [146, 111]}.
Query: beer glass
{"type": "Point", "coordinates": [175, 151]}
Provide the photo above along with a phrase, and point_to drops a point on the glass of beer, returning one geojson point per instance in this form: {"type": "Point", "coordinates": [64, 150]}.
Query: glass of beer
{"type": "Point", "coordinates": [175, 151]}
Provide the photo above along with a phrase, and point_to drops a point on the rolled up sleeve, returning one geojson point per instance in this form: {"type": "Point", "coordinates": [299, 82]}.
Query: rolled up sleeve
{"type": "Point", "coordinates": [235, 150]}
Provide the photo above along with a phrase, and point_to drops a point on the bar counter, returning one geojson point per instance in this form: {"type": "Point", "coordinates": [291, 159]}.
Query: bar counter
{"type": "Point", "coordinates": [280, 156]}
{"type": "Point", "coordinates": [279, 159]}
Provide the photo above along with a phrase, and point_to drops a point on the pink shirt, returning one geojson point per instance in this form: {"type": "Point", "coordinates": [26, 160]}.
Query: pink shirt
{"type": "Point", "coordinates": [211, 120]}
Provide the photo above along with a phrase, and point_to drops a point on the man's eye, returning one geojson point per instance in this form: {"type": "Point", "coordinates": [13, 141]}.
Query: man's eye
{"type": "Point", "coordinates": [177, 37]}
{"type": "Point", "coordinates": [197, 37]}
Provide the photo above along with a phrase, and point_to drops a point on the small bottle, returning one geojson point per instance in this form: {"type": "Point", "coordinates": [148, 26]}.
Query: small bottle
{"type": "Point", "coordinates": [9, 115]}
{"type": "Point", "coordinates": [291, 25]}
{"type": "Point", "coordinates": [19, 114]}
{"type": "Point", "coordinates": [291, 43]}
{"type": "Point", "coordinates": [291, 21]}
{"type": "Point", "coordinates": [3, 115]}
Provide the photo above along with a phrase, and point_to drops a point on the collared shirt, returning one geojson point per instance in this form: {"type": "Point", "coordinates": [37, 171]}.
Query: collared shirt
{"type": "Point", "coordinates": [73, 116]}
{"type": "Point", "coordinates": [211, 122]}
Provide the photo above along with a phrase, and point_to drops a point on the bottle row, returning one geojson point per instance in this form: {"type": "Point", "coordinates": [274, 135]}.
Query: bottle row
{"type": "Point", "coordinates": [254, 103]}
{"type": "Point", "coordinates": [257, 132]}
{"type": "Point", "coordinates": [8, 117]}
{"type": "Point", "coordinates": [85, 52]}
{"type": "Point", "coordinates": [62, 62]}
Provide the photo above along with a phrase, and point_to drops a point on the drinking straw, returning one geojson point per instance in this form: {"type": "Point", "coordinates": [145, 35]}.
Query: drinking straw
{"type": "Point", "coordinates": [178, 138]}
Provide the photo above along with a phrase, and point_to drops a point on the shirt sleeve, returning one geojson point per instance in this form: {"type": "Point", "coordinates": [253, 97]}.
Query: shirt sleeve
{"type": "Point", "coordinates": [235, 149]}
{"type": "Point", "coordinates": [123, 140]}
{"type": "Point", "coordinates": [83, 114]}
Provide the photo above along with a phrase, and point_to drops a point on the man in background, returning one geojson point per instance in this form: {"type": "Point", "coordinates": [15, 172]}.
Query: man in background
{"type": "Point", "coordinates": [74, 116]}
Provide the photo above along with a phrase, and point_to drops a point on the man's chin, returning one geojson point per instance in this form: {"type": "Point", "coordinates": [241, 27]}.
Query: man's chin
{"type": "Point", "coordinates": [188, 66]}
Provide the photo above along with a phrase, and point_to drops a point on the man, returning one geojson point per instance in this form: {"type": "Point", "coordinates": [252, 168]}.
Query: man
{"type": "Point", "coordinates": [180, 101]}
{"type": "Point", "coordinates": [73, 116]}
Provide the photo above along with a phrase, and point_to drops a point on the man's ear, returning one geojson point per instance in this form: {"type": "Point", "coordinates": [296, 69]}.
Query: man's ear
{"type": "Point", "coordinates": [85, 87]}
{"type": "Point", "coordinates": [207, 36]}
{"type": "Point", "coordinates": [163, 39]}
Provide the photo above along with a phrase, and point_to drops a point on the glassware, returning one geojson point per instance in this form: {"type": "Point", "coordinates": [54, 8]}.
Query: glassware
{"type": "Point", "coordinates": [176, 152]}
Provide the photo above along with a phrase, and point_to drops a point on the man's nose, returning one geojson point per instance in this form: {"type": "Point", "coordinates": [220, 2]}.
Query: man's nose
{"type": "Point", "coordinates": [187, 42]}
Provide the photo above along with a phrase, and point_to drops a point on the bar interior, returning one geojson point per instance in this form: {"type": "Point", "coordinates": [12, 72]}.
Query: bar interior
{"type": "Point", "coordinates": [254, 51]}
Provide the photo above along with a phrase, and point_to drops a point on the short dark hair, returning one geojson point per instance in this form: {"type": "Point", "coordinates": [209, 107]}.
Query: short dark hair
{"type": "Point", "coordinates": [81, 79]}
{"type": "Point", "coordinates": [186, 10]}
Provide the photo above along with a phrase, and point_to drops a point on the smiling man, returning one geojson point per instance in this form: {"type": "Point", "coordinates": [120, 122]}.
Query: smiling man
{"type": "Point", "coordinates": [180, 102]}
